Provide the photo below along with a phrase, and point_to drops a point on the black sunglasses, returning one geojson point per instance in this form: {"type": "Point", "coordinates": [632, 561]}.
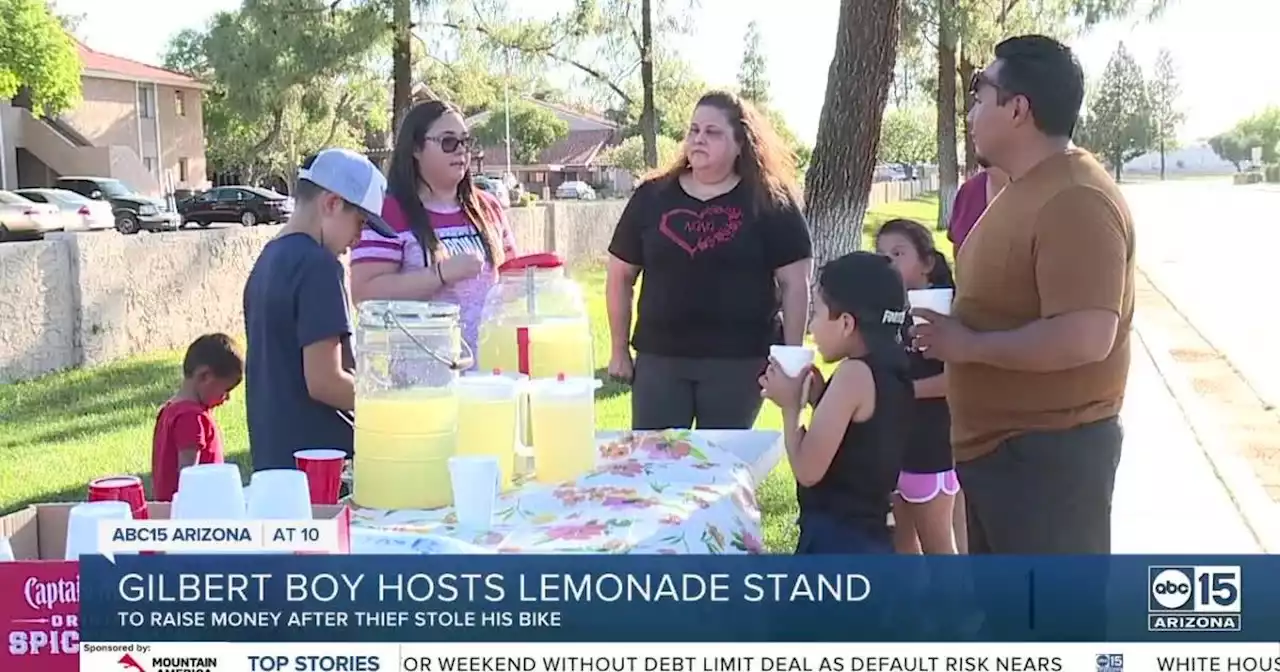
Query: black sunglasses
{"type": "Point", "coordinates": [451, 143]}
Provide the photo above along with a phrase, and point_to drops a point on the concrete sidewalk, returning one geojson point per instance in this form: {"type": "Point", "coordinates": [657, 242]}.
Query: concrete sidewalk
{"type": "Point", "coordinates": [1168, 497]}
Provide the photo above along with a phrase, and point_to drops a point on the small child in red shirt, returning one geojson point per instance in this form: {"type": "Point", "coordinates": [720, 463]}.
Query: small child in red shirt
{"type": "Point", "coordinates": [185, 432]}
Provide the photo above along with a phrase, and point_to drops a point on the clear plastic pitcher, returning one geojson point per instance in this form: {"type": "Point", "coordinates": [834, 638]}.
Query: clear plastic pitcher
{"type": "Point", "coordinates": [408, 358]}
{"type": "Point", "coordinates": [563, 412]}
{"type": "Point", "coordinates": [535, 321]}
{"type": "Point", "coordinates": [489, 420]}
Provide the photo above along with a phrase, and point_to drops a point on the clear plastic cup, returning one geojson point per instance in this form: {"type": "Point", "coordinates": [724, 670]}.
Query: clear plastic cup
{"type": "Point", "coordinates": [475, 480]}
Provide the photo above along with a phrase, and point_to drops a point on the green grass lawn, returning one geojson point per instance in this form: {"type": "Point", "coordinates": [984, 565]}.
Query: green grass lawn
{"type": "Point", "coordinates": [62, 430]}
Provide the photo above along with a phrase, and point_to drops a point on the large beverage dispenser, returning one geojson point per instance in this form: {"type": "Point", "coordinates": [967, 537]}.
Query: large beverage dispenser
{"type": "Point", "coordinates": [408, 358]}
{"type": "Point", "coordinates": [535, 321]}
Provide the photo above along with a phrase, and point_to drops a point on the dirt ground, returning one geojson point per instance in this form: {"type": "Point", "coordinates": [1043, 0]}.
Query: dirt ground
{"type": "Point", "coordinates": [1249, 426]}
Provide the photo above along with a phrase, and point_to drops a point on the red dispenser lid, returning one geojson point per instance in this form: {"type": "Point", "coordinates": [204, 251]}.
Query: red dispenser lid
{"type": "Point", "coordinates": [539, 260]}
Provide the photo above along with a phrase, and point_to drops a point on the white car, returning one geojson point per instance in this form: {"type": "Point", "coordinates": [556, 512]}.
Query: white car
{"type": "Point", "coordinates": [21, 218]}
{"type": "Point", "coordinates": [576, 189]}
{"type": "Point", "coordinates": [78, 213]}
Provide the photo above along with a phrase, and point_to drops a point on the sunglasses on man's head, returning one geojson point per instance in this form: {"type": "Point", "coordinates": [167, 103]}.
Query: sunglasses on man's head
{"type": "Point", "coordinates": [451, 143]}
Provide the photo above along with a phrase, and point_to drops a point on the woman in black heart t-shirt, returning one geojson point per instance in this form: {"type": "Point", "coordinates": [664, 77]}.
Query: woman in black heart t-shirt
{"type": "Point", "coordinates": [722, 246]}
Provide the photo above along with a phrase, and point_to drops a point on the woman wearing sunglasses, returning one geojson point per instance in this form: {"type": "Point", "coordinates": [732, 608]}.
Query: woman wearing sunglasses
{"type": "Point", "coordinates": [451, 235]}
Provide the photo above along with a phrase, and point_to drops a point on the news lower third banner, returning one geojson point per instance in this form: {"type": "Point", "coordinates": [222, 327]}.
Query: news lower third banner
{"type": "Point", "coordinates": [758, 657]}
{"type": "Point", "coordinates": [401, 599]}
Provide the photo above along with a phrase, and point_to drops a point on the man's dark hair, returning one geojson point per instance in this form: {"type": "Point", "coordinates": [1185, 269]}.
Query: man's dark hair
{"type": "Point", "coordinates": [1046, 73]}
{"type": "Point", "coordinates": [219, 352]}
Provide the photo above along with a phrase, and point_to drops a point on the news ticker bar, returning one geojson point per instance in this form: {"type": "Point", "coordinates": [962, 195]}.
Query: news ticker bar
{"type": "Point", "coordinates": [610, 657]}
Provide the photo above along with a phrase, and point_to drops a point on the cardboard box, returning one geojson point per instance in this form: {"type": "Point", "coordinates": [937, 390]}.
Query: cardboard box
{"type": "Point", "coordinates": [40, 593]}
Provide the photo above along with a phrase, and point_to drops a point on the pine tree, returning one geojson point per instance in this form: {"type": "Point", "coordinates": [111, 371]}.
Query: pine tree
{"type": "Point", "coordinates": [1165, 91]}
{"type": "Point", "coordinates": [753, 76]}
{"type": "Point", "coordinates": [1121, 123]}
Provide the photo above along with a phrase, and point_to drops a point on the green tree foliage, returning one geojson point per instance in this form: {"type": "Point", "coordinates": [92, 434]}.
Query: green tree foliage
{"type": "Point", "coordinates": [288, 77]}
{"type": "Point", "coordinates": [1165, 92]}
{"type": "Point", "coordinates": [1262, 130]}
{"type": "Point", "coordinates": [753, 73]}
{"type": "Point", "coordinates": [630, 154]}
{"type": "Point", "coordinates": [37, 53]}
{"type": "Point", "coordinates": [533, 129]}
{"type": "Point", "coordinates": [1120, 122]}
{"type": "Point", "coordinates": [908, 136]}
{"type": "Point", "coordinates": [1231, 147]}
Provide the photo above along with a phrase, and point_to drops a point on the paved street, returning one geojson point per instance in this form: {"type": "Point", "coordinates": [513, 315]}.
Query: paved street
{"type": "Point", "coordinates": [1214, 250]}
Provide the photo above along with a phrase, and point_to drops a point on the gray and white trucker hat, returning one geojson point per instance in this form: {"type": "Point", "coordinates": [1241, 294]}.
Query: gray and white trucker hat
{"type": "Point", "coordinates": [353, 178]}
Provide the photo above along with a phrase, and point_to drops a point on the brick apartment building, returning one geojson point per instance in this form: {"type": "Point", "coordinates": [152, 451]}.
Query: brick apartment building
{"type": "Point", "coordinates": [137, 123]}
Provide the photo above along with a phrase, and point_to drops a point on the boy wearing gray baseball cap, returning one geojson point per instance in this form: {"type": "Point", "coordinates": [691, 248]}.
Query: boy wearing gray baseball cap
{"type": "Point", "coordinates": [297, 312]}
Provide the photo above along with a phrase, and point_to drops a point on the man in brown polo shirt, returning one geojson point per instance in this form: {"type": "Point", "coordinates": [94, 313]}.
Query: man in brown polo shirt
{"type": "Point", "coordinates": [1037, 347]}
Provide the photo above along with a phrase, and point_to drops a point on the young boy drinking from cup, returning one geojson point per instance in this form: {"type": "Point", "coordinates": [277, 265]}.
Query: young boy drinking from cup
{"type": "Point", "coordinates": [185, 432]}
{"type": "Point", "coordinates": [846, 463]}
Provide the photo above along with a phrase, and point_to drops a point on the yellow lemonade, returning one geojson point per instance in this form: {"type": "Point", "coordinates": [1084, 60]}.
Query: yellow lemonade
{"type": "Point", "coordinates": [555, 346]}
{"type": "Point", "coordinates": [487, 426]}
{"type": "Point", "coordinates": [403, 441]}
{"type": "Point", "coordinates": [564, 429]}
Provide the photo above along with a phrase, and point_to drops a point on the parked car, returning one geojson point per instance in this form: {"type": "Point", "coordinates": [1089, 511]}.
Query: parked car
{"type": "Point", "coordinates": [888, 172]}
{"type": "Point", "coordinates": [22, 219]}
{"type": "Point", "coordinates": [494, 186]}
{"type": "Point", "coordinates": [576, 189]}
{"type": "Point", "coordinates": [133, 211]}
{"type": "Point", "coordinates": [78, 213]}
{"type": "Point", "coordinates": [248, 205]}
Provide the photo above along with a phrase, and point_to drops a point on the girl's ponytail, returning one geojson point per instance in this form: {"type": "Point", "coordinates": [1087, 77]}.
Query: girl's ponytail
{"type": "Point", "coordinates": [940, 274]}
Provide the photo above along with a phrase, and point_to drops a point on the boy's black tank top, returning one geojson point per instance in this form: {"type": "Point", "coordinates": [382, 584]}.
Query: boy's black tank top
{"type": "Point", "coordinates": [864, 472]}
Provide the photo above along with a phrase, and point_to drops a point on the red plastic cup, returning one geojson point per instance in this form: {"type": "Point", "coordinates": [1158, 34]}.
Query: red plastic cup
{"type": "Point", "coordinates": [126, 489]}
{"type": "Point", "coordinates": [323, 467]}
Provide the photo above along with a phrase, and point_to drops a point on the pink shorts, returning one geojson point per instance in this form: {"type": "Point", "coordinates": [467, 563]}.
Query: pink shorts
{"type": "Point", "coordinates": [921, 488]}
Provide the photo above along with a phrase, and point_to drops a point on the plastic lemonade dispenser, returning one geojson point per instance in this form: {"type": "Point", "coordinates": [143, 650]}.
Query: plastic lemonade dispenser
{"type": "Point", "coordinates": [408, 355]}
{"type": "Point", "coordinates": [535, 321]}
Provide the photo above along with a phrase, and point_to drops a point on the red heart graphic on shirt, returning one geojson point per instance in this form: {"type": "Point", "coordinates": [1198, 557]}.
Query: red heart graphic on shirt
{"type": "Point", "coordinates": [701, 230]}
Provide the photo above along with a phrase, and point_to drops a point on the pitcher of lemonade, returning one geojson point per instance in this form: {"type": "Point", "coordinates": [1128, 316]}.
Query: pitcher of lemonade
{"type": "Point", "coordinates": [408, 358]}
{"type": "Point", "coordinates": [489, 416]}
{"type": "Point", "coordinates": [562, 410]}
{"type": "Point", "coordinates": [534, 321]}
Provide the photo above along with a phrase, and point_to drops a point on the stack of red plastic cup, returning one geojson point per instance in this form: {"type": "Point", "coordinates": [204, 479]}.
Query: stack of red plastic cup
{"type": "Point", "coordinates": [127, 489]}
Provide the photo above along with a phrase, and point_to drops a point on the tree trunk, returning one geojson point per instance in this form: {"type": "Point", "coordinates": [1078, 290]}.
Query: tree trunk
{"type": "Point", "coordinates": [844, 156]}
{"type": "Point", "coordinates": [648, 115]}
{"type": "Point", "coordinates": [1162, 155]}
{"type": "Point", "coordinates": [401, 61]}
{"type": "Point", "coordinates": [948, 163]}
{"type": "Point", "coordinates": [970, 150]}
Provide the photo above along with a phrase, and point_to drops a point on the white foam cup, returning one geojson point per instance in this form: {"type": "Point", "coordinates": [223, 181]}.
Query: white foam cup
{"type": "Point", "coordinates": [279, 494]}
{"type": "Point", "coordinates": [938, 300]}
{"type": "Point", "coordinates": [6, 550]}
{"type": "Point", "coordinates": [475, 480]}
{"type": "Point", "coordinates": [211, 492]}
{"type": "Point", "coordinates": [83, 522]}
{"type": "Point", "coordinates": [793, 359]}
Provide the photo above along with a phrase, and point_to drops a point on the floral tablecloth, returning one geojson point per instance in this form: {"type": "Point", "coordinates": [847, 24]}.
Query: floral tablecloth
{"type": "Point", "coordinates": [662, 492]}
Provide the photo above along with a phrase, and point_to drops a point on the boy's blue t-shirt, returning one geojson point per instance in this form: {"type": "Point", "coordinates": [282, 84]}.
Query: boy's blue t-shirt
{"type": "Point", "coordinates": [296, 295]}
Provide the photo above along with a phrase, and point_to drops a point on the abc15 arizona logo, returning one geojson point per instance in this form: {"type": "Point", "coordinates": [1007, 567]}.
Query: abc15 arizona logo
{"type": "Point", "coordinates": [1194, 598]}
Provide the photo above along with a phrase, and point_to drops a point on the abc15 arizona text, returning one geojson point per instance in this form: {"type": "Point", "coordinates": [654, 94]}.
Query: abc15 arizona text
{"type": "Point", "coordinates": [1194, 598]}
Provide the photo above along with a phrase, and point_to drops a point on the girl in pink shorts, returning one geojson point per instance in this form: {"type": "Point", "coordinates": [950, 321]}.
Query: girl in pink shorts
{"type": "Point", "coordinates": [927, 486]}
